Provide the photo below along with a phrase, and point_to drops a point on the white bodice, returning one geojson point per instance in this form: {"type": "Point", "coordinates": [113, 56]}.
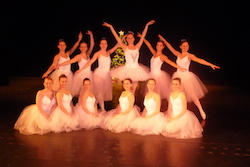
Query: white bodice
{"type": "Point", "coordinates": [184, 63]}
{"type": "Point", "coordinates": [104, 63]}
{"type": "Point", "coordinates": [48, 103]}
{"type": "Point", "coordinates": [82, 64]}
{"type": "Point", "coordinates": [124, 102]}
{"type": "Point", "coordinates": [176, 105]}
{"type": "Point", "coordinates": [131, 57]}
{"type": "Point", "coordinates": [155, 65]}
{"type": "Point", "coordinates": [66, 101]}
{"type": "Point", "coordinates": [90, 104]}
{"type": "Point", "coordinates": [65, 67]}
{"type": "Point", "coordinates": [150, 105]}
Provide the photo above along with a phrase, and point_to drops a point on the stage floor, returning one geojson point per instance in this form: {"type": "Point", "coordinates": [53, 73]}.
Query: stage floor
{"type": "Point", "coordinates": [226, 140]}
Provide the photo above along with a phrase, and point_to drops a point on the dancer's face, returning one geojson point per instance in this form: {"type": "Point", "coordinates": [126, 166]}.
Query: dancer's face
{"type": "Point", "coordinates": [130, 38]}
{"type": "Point", "coordinates": [184, 47]}
{"type": "Point", "coordinates": [103, 44]}
{"type": "Point", "coordinates": [48, 84]}
{"type": "Point", "coordinates": [83, 47]}
{"type": "Point", "coordinates": [176, 85]}
{"type": "Point", "coordinates": [87, 85]}
{"type": "Point", "coordinates": [127, 85]}
{"type": "Point", "coordinates": [159, 46]}
{"type": "Point", "coordinates": [151, 85]}
{"type": "Point", "coordinates": [62, 46]}
{"type": "Point", "coordinates": [63, 82]}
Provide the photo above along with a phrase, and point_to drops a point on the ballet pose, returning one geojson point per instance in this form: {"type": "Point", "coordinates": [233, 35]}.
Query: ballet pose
{"type": "Point", "coordinates": [162, 78]}
{"type": "Point", "coordinates": [181, 123]}
{"type": "Point", "coordinates": [132, 69]}
{"type": "Point", "coordinates": [150, 122]}
{"type": "Point", "coordinates": [101, 77]}
{"type": "Point", "coordinates": [119, 119]}
{"type": "Point", "coordinates": [35, 118]}
{"type": "Point", "coordinates": [61, 57]}
{"type": "Point", "coordinates": [86, 108]}
{"type": "Point", "coordinates": [191, 84]}
{"type": "Point", "coordinates": [63, 118]}
{"type": "Point", "coordinates": [82, 59]}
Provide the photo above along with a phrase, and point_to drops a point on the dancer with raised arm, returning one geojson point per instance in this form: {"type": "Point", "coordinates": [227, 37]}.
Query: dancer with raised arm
{"type": "Point", "coordinates": [180, 122]}
{"type": "Point", "coordinates": [132, 69]}
{"type": "Point", "coordinates": [119, 119]}
{"type": "Point", "coordinates": [191, 84]}
{"type": "Point", "coordinates": [101, 77]}
{"type": "Point", "coordinates": [35, 118]}
{"type": "Point", "coordinates": [61, 57]}
{"type": "Point", "coordinates": [63, 119]}
{"type": "Point", "coordinates": [82, 59]}
{"type": "Point", "coordinates": [86, 109]}
{"type": "Point", "coordinates": [161, 77]}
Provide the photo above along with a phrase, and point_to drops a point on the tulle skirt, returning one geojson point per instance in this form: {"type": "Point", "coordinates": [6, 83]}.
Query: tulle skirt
{"type": "Point", "coordinates": [102, 84]}
{"type": "Point", "coordinates": [191, 85]}
{"type": "Point", "coordinates": [77, 83]}
{"type": "Point", "coordinates": [31, 121]}
{"type": "Point", "coordinates": [140, 73]}
{"type": "Point", "coordinates": [60, 122]}
{"type": "Point", "coordinates": [88, 121]}
{"type": "Point", "coordinates": [55, 76]}
{"type": "Point", "coordinates": [148, 126]}
{"type": "Point", "coordinates": [163, 84]}
{"type": "Point", "coordinates": [186, 127]}
{"type": "Point", "coordinates": [120, 123]}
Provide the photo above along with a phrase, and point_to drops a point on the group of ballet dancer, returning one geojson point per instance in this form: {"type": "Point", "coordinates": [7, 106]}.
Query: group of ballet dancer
{"type": "Point", "coordinates": [55, 112]}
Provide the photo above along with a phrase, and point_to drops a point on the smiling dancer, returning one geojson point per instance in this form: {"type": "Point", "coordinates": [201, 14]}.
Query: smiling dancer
{"type": "Point", "coordinates": [35, 118]}
{"type": "Point", "coordinates": [132, 69]}
{"type": "Point", "coordinates": [191, 84]}
{"type": "Point", "coordinates": [61, 57]}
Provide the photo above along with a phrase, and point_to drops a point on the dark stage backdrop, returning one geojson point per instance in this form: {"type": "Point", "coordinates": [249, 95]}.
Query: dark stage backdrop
{"type": "Point", "coordinates": [215, 30]}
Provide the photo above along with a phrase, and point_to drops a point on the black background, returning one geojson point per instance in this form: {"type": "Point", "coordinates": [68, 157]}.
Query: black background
{"type": "Point", "coordinates": [216, 30]}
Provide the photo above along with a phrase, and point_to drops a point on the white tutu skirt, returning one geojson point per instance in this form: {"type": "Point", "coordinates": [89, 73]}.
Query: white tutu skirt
{"type": "Point", "coordinates": [191, 85]}
{"type": "Point", "coordinates": [31, 121]}
{"type": "Point", "coordinates": [88, 121]}
{"type": "Point", "coordinates": [148, 126]}
{"type": "Point", "coordinates": [77, 83]}
{"type": "Point", "coordinates": [140, 73]}
{"type": "Point", "coordinates": [163, 82]}
{"type": "Point", "coordinates": [186, 127]}
{"type": "Point", "coordinates": [55, 76]}
{"type": "Point", "coordinates": [102, 84]}
{"type": "Point", "coordinates": [60, 122]}
{"type": "Point", "coordinates": [120, 123]}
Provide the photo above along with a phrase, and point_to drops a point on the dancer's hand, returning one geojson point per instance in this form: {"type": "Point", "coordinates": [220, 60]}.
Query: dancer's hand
{"type": "Point", "coordinates": [89, 32]}
{"type": "Point", "coordinates": [107, 24]}
{"type": "Point", "coordinates": [214, 67]}
{"type": "Point", "coordinates": [151, 22]}
{"type": "Point", "coordinates": [80, 35]}
{"type": "Point", "coordinates": [138, 35]}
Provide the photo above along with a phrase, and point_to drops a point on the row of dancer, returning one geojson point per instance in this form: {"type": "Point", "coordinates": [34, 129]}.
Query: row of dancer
{"type": "Point", "coordinates": [101, 77]}
{"type": "Point", "coordinates": [48, 116]}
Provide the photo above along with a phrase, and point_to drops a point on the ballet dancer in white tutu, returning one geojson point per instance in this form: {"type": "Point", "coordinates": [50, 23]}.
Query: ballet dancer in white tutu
{"type": "Point", "coordinates": [150, 122]}
{"type": "Point", "coordinates": [180, 122]}
{"type": "Point", "coordinates": [162, 78]}
{"type": "Point", "coordinates": [119, 119]}
{"type": "Point", "coordinates": [63, 119]}
{"type": "Point", "coordinates": [132, 69]}
{"type": "Point", "coordinates": [82, 59]}
{"type": "Point", "coordinates": [61, 57]}
{"type": "Point", "coordinates": [192, 86]}
{"type": "Point", "coordinates": [86, 109]}
{"type": "Point", "coordinates": [35, 118]}
{"type": "Point", "coordinates": [102, 80]}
